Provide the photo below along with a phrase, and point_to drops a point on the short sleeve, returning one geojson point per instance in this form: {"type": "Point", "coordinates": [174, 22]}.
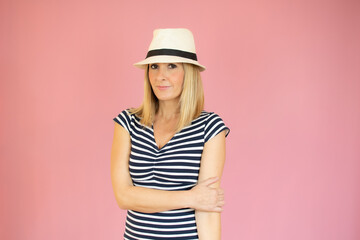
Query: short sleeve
{"type": "Point", "coordinates": [214, 125]}
{"type": "Point", "coordinates": [124, 120]}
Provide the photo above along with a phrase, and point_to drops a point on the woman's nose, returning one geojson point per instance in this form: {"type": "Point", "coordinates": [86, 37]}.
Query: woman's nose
{"type": "Point", "coordinates": [161, 74]}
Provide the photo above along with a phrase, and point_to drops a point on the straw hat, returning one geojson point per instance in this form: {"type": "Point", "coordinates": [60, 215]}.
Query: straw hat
{"type": "Point", "coordinates": [171, 45]}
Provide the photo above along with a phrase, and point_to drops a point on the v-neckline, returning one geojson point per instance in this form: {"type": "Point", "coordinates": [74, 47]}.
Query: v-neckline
{"type": "Point", "coordinates": [156, 145]}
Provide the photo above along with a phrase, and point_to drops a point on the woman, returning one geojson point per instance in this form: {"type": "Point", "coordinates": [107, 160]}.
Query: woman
{"type": "Point", "coordinates": [158, 147]}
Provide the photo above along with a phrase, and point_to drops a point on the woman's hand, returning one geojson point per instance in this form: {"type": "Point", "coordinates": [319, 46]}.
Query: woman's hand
{"type": "Point", "coordinates": [207, 198]}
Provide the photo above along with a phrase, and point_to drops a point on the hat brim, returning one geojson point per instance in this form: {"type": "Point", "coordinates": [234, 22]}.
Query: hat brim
{"type": "Point", "coordinates": [167, 59]}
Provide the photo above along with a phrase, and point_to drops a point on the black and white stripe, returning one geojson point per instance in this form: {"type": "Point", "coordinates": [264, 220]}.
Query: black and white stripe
{"type": "Point", "coordinates": [174, 167]}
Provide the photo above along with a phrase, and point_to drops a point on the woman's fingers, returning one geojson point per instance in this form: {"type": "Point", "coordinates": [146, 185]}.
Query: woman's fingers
{"type": "Point", "coordinates": [208, 198]}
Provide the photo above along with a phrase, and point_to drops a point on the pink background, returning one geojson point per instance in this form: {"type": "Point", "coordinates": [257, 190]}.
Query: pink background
{"type": "Point", "coordinates": [284, 76]}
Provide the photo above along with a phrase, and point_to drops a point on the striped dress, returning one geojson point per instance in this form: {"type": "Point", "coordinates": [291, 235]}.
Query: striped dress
{"type": "Point", "coordinates": [174, 167]}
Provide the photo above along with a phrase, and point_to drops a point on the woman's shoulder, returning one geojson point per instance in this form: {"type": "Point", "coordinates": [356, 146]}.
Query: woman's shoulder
{"type": "Point", "coordinates": [126, 116]}
{"type": "Point", "coordinates": [213, 124]}
{"type": "Point", "coordinates": [128, 112]}
{"type": "Point", "coordinates": [209, 115]}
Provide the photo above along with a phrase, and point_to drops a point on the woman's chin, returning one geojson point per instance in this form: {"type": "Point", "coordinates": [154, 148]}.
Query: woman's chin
{"type": "Point", "coordinates": [168, 98]}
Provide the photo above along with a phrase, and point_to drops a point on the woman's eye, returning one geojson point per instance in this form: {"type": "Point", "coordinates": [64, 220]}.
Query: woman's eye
{"type": "Point", "coordinates": [153, 66]}
{"type": "Point", "coordinates": [171, 65]}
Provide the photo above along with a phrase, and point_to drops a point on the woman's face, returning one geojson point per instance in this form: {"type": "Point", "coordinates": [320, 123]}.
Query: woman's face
{"type": "Point", "coordinates": [166, 80]}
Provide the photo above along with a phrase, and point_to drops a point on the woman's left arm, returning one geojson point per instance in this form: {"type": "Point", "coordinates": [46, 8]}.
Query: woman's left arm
{"type": "Point", "coordinates": [212, 164]}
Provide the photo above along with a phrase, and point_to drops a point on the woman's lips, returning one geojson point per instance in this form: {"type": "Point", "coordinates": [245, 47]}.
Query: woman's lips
{"type": "Point", "coordinates": [163, 87]}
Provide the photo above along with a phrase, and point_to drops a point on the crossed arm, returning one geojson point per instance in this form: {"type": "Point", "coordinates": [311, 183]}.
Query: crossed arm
{"type": "Point", "coordinates": [212, 164]}
{"type": "Point", "coordinates": [206, 197]}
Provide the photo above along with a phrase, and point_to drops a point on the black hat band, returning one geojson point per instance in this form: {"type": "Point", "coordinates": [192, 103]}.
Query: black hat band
{"type": "Point", "coordinates": [172, 52]}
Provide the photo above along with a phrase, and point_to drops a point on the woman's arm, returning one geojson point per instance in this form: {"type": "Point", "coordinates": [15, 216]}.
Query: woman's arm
{"type": "Point", "coordinates": [147, 200]}
{"type": "Point", "coordinates": [212, 164]}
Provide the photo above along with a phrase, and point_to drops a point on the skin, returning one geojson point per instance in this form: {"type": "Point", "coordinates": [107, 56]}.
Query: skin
{"type": "Point", "coordinates": [206, 197]}
{"type": "Point", "coordinates": [166, 80]}
{"type": "Point", "coordinates": [212, 164]}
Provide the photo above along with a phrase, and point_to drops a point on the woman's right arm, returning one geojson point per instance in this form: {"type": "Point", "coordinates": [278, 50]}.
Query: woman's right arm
{"type": "Point", "coordinates": [201, 197]}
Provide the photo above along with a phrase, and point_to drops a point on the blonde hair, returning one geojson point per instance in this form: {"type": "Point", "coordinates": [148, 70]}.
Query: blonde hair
{"type": "Point", "coordinates": [191, 99]}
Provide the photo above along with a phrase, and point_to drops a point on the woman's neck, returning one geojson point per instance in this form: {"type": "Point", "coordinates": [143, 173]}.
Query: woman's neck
{"type": "Point", "coordinates": [168, 109]}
